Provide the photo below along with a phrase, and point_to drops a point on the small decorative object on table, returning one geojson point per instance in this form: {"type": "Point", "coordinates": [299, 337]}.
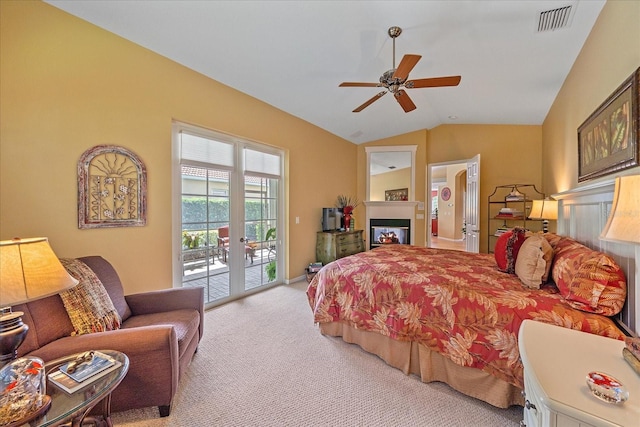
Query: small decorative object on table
{"type": "Point", "coordinates": [83, 370]}
{"type": "Point", "coordinates": [606, 388]}
{"type": "Point", "coordinates": [22, 391]}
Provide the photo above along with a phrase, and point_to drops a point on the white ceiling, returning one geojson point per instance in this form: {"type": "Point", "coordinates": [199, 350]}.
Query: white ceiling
{"type": "Point", "coordinates": [293, 54]}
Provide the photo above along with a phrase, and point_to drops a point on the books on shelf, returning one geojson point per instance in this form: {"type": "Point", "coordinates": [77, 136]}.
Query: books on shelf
{"type": "Point", "coordinates": [501, 230]}
{"type": "Point", "coordinates": [84, 373]}
{"type": "Point", "coordinates": [511, 212]}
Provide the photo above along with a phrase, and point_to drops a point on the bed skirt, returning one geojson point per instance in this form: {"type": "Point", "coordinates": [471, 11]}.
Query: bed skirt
{"type": "Point", "coordinates": [414, 358]}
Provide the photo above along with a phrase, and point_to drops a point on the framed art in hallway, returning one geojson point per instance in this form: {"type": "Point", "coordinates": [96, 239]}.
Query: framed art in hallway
{"type": "Point", "coordinates": [608, 139]}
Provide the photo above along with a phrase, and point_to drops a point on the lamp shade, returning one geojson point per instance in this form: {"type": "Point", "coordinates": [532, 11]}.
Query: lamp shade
{"type": "Point", "coordinates": [623, 224]}
{"type": "Point", "coordinates": [544, 209]}
{"type": "Point", "coordinates": [29, 270]}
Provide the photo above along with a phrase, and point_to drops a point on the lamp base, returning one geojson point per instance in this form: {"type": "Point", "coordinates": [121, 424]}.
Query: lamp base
{"type": "Point", "coordinates": [12, 334]}
{"type": "Point", "coordinates": [545, 226]}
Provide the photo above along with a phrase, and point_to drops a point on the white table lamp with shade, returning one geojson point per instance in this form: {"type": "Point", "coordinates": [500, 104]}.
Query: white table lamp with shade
{"type": "Point", "coordinates": [545, 210]}
{"type": "Point", "coordinates": [623, 226]}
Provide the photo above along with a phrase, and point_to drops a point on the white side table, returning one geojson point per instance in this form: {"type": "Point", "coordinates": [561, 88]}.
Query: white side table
{"type": "Point", "coordinates": [556, 361]}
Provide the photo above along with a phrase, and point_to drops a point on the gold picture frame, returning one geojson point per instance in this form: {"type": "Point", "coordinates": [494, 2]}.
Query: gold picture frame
{"type": "Point", "coordinates": [112, 188]}
{"type": "Point", "coordinates": [608, 139]}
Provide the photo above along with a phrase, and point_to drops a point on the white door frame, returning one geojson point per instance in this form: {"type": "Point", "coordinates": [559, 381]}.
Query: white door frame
{"type": "Point", "coordinates": [476, 195]}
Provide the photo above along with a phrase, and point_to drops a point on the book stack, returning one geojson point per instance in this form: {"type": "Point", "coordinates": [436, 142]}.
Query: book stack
{"type": "Point", "coordinates": [314, 267]}
{"type": "Point", "coordinates": [510, 213]}
{"type": "Point", "coordinates": [514, 196]}
{"type": "Point", "coordinates": [631, 353]}
{"type": "Point", "coordinates": [78, 373]}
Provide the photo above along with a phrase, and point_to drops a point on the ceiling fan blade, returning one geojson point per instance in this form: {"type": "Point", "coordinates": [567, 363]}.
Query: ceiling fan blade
{"type": "Point", "coordinates": [433, 82]}
{"type": "Point", "coordinates": [357, 84]}
{"type": "Point", "coordinates": [406, 65]}
{"type": "Point", "coordinates": [370, 101]}
{"type": "Point", "coordinates": [405, 102]}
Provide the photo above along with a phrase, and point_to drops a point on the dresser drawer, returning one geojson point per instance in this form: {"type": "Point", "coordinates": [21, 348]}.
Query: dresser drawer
{"type": "Point", "coordinates": [344, 250]}
{"type": "Point", "coordinates": [347, 238]}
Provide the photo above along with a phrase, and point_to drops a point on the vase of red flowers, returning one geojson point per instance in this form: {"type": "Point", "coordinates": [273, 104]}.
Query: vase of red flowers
{"type": "Point", "coordinates": [347, 205]}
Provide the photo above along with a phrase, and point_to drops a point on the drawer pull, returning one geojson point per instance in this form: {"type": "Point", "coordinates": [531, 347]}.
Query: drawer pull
{"type": "Point", "coordinates": [530, 405]}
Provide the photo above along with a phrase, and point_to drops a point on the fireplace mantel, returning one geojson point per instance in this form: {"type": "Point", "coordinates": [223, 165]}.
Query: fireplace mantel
{"type": "Point", "coordinates": [390, 210]}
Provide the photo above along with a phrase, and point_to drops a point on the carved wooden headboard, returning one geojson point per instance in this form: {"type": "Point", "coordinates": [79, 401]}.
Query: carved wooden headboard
{"type": "Point", "coordinates": [582, 214]}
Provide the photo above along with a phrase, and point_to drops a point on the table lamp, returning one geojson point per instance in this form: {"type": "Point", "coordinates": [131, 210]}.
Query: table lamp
{"type": "Point", "coordinates": [545, 210]}
{"type": "Point", "coordinates": [29, 270]}
{"type": "Point", "coordinates": [623, 224]}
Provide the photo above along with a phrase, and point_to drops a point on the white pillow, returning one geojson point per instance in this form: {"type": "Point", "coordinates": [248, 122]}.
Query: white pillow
{"type": "Point", "coordinates": [534, 261]}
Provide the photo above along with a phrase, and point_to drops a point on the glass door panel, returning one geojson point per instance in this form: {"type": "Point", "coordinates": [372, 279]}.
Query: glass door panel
{"type": "Point", "coordinates": [260, 231]}
{"type": "Point", "coordinates": [205, 230]}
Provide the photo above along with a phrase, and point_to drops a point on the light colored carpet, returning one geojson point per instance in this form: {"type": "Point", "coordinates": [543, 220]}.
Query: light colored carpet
{"type": "Point", "coordinates": [262, 362]}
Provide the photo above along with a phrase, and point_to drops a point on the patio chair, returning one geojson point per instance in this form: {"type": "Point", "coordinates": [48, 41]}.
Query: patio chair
{"type": "Point", "coordinates": [223, 245]}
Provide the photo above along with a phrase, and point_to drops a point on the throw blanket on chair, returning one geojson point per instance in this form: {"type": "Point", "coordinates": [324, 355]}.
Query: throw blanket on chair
{"type": "Point", "coordinates": [88, 304]}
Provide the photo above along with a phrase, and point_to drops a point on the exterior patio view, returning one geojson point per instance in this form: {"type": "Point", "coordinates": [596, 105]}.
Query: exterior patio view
{"type": "Point", "coordinates": [206, 246]}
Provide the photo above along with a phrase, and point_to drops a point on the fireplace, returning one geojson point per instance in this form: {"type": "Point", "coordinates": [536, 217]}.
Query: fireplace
{"type": "Point", "coordinates": [389, 231]}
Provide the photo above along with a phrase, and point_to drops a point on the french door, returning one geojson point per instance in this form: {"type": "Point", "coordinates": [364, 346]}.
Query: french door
{"type": "Point", "coordinates": [230, 194]}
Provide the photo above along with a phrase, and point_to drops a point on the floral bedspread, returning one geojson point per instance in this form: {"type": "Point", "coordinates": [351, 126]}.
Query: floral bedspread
{"type": "Point", "coordinates": [456, 303]}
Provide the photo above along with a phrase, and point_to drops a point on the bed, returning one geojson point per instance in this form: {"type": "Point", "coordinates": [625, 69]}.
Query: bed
{"type": "Point", "coordinates": [454, 316]}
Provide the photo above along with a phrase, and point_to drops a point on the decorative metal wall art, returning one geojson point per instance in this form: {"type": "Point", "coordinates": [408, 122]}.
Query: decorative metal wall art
{"type": "Point", "coordinates": [112, 188]}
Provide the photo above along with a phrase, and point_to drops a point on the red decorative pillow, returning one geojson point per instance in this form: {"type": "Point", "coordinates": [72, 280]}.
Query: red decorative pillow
{"type": "Point", "coordinates": [507, 247]}
{"type": "Point", "coordinates": [587, 279]}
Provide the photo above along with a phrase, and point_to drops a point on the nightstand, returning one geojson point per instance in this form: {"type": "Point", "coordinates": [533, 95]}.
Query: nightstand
{"type": "Point", "coordinates": [556, 362]}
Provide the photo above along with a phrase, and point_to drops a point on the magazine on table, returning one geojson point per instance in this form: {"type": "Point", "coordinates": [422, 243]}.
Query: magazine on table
{"type": "Point", "coordinates": [71, 376]}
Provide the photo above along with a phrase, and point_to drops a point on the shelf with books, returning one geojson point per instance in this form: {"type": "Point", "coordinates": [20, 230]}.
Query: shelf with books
{"type": "Point", "coordinates": [509, 207]}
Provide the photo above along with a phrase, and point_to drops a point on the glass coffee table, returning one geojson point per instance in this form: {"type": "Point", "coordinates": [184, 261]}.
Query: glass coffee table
{"type": "Point", "coordinates": [72, 409]}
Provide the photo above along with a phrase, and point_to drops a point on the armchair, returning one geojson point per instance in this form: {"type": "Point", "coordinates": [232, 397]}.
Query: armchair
{"type": "Point", "coordinates": [160, 332]}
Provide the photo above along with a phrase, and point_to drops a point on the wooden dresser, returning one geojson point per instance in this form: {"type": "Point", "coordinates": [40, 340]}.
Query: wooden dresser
{"type": "Point", "coordinates": [331, 245]}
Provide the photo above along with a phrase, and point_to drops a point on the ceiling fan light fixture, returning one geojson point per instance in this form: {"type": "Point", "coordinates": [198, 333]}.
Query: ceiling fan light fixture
{"type": "Point", "coordinates": [395, 80]}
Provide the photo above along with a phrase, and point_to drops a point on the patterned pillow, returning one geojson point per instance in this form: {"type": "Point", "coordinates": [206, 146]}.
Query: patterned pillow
{"type": "Point", "coordinates": [507, 247]}
{"type": "Point", "coordinates": [552, 238]}
{"type": "Point", "coordinates": [588, 280]}
{"type": "Point", "coordinates": [534, 261]}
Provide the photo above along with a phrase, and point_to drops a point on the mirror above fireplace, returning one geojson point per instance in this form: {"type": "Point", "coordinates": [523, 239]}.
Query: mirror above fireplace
{"type": "Point", "coordinates": [390, 173]}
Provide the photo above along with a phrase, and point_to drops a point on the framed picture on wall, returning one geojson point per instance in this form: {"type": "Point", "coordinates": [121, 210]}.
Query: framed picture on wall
{"type": "Point", "coordinates": [608, 139]}
{"type": "Point", "coordinates": [401, 194]}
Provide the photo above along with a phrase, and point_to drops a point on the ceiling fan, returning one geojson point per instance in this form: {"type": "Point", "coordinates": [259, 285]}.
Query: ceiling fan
{"type": "Point", "coordinates": [395, 79]}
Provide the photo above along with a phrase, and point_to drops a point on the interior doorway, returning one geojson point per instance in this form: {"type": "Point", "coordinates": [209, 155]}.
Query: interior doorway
{"type": "Point", "coordinates": [453, 192]}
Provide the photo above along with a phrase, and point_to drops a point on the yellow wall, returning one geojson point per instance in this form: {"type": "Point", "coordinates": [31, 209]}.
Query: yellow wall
{"type": "Point", "coordinates": [508, 155]}
{"type": "Point", "coordinates": [67, 85]}
{"type": "Point", "coordinates": [610, 55]}
{"type": "Point", "coordinates": [450, 211]}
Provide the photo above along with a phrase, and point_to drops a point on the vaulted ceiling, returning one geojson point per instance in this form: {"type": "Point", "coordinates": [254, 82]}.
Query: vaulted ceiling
{"type": "Point", "coordinates": [293, 54]}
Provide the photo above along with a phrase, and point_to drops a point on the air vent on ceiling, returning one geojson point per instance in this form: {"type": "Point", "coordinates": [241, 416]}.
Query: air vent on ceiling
{"type": "Point", "coordinates": [554, 19]}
